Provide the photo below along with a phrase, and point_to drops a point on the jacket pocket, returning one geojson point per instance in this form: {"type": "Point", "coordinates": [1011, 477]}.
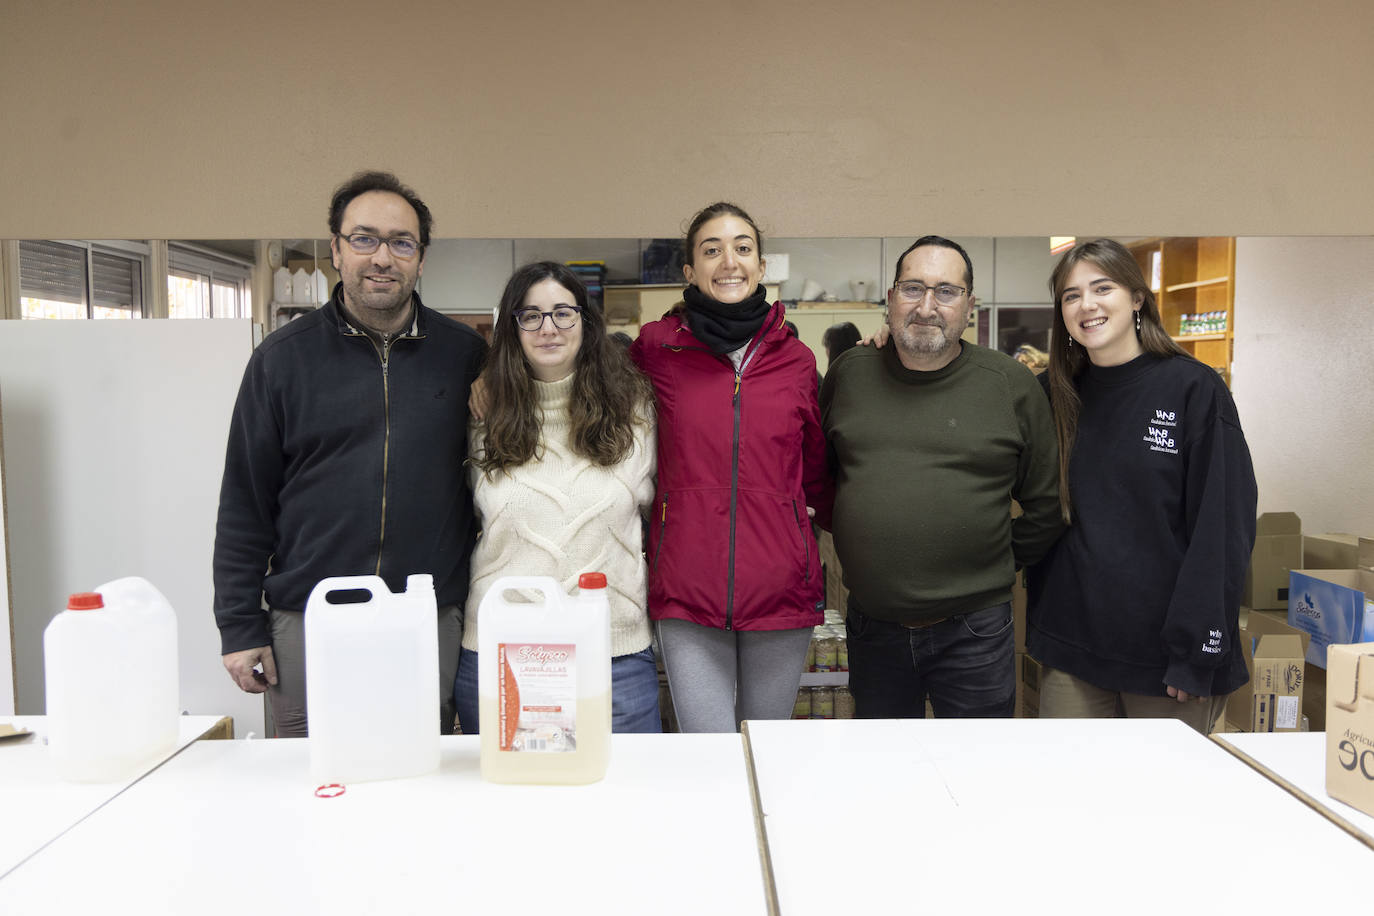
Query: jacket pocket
{"type": "Point", "coordinates": [803, 530]}
{"type": "Point", "coordinates": [662, 530]}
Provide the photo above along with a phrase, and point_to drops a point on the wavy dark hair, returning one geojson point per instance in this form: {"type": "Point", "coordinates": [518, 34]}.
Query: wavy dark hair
{"type": "Point", "coordinates": [1068, 362]}
{"type": "Point", "coordinates": [609, 394]}
{"type": "Point", "coordinates": [362, 183]}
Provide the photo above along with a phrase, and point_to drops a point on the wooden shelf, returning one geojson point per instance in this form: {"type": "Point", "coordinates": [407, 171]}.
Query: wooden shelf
{"type": "Point", "coordinates": [1195, 279]}
{"type": "Point", "coordinates": [825, 679]}
{"type": "Point", "coordinates": [1195, 284]}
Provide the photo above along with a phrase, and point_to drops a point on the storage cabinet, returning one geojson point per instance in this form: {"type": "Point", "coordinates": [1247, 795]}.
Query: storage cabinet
{"type": "Point", "coordinates": [1194, 281]}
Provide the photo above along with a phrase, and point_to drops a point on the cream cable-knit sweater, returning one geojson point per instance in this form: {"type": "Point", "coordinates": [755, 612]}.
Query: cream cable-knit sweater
{"type": "Point", "coordinates": [561, 515]}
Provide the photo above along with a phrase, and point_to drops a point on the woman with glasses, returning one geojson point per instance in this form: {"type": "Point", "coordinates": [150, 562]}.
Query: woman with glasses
{"type": "Point", "coordinates": [1134, 611]}
{"type": "Point", "coordinates": [562, 466]}
{"type": "Point", "coordinates": [734, 579]}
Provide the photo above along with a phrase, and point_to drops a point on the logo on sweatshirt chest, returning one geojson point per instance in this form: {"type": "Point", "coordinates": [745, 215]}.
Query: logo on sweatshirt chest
{"type": "Point", "coordinates": [1161, 431]}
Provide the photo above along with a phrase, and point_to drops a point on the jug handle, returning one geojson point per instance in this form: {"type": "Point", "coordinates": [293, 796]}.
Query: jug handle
{"type": "Point", "coordinates": [544, 585]}
{"type": "Point", "coordinates": [373, 585]}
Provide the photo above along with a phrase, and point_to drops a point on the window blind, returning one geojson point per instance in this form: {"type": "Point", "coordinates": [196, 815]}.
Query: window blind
{"type": "Point", "coordinates": [52, 271]}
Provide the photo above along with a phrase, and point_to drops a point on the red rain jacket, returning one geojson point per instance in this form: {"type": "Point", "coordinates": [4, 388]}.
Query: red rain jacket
{"type": "Point", "coordinates": [740, 457]}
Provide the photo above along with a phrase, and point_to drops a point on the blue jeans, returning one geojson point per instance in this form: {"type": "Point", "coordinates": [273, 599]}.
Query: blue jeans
{"type": "Point", "coordinates": [965, 665]}
{"type": "Point", "coordinates": [634, 692]}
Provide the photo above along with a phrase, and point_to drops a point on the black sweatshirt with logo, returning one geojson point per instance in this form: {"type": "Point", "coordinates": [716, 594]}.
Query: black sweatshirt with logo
{"type": "Point", "coordinates": [1143, 589]}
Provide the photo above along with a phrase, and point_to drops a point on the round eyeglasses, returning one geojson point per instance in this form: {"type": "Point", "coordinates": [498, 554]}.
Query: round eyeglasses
{"type": "Point", "coordinates": [563, 317]}
{"type": "Point", "coordinates": [401, 246]}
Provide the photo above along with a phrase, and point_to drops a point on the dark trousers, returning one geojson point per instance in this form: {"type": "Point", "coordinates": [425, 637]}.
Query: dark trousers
{"type": "Point", "coordinates": [965, 665]}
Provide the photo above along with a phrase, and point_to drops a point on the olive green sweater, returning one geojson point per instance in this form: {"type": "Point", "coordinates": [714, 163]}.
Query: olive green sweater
{"type": "Point", "coordinates": [926, 465]}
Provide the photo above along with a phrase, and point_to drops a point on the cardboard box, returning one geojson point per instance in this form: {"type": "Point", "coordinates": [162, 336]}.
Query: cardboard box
{"type": "Point", "coordinates": [1334, 605]}
{"type": "Point", "coordinates": [1255, 624]}
{"type": "Point", "coordinates": [1350, 725]}
{"type": "Point", "coordinates": [1278, 549]}
{"type": "Point", "coordinates": [1276, 685]}
{"type": "Point", "coordinates": [1330, 551]}
{"type": "Point", "coordinates": [1030, 687]}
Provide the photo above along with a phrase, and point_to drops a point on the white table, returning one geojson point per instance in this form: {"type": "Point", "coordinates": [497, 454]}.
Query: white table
{"type": "Point", "coordinates": [235, 826]}
{"type": "Point", "coordinates": [1298, 761]}
{"type": "Point", "coordinates": [1027, 815]}
{"type": "Point", "coordinates": [36, 806]}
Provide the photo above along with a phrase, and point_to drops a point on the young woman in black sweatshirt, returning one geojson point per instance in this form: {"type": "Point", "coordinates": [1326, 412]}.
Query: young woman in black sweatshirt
{"type": "Point", "coordinates": [1134, 612]}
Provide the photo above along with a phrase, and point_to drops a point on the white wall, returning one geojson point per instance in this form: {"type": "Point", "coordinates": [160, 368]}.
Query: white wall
{"type": "Point", "coordinates": [465, 275]}
{"type": "Point", "coordinates": [1303, 376]}
{"type": "Point", "coordinates": [114, 437]}
{"type": "Point", "coordinates": [6, 623]}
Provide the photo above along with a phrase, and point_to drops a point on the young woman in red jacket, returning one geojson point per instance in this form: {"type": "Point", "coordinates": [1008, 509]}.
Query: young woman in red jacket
{"type": "Point", "coordinates": [734, 580]}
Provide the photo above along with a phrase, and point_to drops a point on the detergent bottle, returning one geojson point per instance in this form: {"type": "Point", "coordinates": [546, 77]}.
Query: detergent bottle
{"type": "Point", "coordinates": [372, 680]}
{"type": "Point", "coordinates": [111, 681]}
{"type": "Point", "coordinates": [544, 681]}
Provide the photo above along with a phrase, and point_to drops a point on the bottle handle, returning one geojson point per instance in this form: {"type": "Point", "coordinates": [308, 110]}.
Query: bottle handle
{"type": "Point", "coordinates": [373, 585]}
{"type": "Point", "coordinates": [546, 586]}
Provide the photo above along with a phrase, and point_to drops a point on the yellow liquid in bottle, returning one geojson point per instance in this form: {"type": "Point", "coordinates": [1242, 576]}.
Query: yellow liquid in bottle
{"type": "Point", "coordinates": [586, 764]}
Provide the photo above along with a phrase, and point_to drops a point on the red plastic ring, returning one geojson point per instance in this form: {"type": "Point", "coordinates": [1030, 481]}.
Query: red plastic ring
{"type": "Point", "coordinates": [333, 790]}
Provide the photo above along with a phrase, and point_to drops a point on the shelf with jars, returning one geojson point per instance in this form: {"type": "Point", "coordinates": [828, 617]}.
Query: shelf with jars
{"type": "Point", "coordinates": [1194, 280]}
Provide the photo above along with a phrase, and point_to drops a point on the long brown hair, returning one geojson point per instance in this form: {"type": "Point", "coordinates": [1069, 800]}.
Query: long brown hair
{"type": "Point", "coordinates": [609, 395]}
{"type": "Point", "coordinates": [1067, 362]}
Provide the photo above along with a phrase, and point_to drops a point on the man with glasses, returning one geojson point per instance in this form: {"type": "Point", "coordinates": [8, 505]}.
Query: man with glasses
{"type": "Point", "coordinates": [931, 438]}
{"type": "Point", "coordinates": [346, 453]}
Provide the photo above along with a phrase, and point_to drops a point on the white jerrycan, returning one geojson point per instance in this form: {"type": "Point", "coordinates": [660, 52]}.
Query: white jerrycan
{"type": "Point", "coordinates": [372, 680]}
{"type": "Point", "coordinates": [544, 681]}
{"type": "Point", "coordinates": [110, 671]}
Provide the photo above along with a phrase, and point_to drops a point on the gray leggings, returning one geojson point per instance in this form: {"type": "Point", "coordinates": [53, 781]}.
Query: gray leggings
{"type": "Point", "coordinates": [720, 677]}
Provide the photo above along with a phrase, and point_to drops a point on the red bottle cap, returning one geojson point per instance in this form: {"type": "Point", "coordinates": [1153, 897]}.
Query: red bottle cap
{"type": "Point", "coordinates": [591, 580]}
{"type": "Point", "coordinates": [85, 601]}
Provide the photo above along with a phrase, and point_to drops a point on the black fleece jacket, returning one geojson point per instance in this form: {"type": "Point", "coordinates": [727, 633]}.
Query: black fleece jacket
{"type": "Point", "coordinates": [345, 458]}
{"type": "Point", "coordinates": [1143, 589]}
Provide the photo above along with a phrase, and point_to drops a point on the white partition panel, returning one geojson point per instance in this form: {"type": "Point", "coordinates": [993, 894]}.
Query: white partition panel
{"type": "Point", "coordinates": [114, 436]}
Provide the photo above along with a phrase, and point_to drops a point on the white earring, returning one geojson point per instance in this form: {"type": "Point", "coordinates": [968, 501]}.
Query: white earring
{"type": "Point", "coordinates": [1137, 321]}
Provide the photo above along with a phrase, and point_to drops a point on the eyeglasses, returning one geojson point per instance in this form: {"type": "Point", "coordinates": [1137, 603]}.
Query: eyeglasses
{"type": "Point", "coordinates": [915, 291]}
{"type": "Point", "coordinates": [564, 317]}
{"type": "Point", "coordinates": [401, 246]}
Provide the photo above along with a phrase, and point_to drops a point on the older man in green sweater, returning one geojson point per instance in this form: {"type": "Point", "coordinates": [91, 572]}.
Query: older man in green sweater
{"type": "Point", "coordinates": [931, 438]}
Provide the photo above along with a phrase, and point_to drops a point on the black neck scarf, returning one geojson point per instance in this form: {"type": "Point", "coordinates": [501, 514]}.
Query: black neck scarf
{"type": "Point", "coordinates": [725, 327]}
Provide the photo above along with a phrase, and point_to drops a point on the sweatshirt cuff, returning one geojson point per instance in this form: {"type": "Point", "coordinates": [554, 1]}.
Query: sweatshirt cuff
{"type": "Point", "coordinates": [1196, 681]}
{"type": "Point", "coordinates": [243, 634]}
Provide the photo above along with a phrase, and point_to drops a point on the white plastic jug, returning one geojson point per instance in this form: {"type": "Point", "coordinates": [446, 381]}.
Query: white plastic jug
{"type": "Point", "coordinates": [372, 680]}
{"type": "Point", "coordinates": [111, 682]}
{"type": "Point", "coordinates": [281, 286]}
{"type": "Point", "coordinates": [302, 287]}
{"type": "Point", "coordinates": [544, 681]}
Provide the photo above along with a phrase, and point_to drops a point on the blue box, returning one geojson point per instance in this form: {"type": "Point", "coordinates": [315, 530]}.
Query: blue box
{"type": "Point", "coordinates": [1334, 605]}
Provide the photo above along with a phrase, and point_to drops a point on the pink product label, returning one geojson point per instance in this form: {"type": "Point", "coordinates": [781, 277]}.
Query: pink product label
{"type": "Point", "coordinates": [537, 697]}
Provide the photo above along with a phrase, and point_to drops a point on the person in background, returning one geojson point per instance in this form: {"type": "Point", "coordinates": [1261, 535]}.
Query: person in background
{"type": "Point", "coordinates": [838, 338]}
{"type": "Point", "coordinates": [1033, 359]}
{"type": "Point", "coordinates": [345, 453]}
{"type": "Point", "coordinates": [1135, 611]}
{"type": "Point", "coordinates": [734, 579]}
{"type": "Point", "coordinates": [562, 470]}
{"type": "Point", "coordinates": [931, 439]}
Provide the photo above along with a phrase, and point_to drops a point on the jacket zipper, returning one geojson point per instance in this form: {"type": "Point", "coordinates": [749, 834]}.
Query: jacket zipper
{"type": "Point", "coordinates": [662, 525]}
{"type": "Point", "coordinates": [806, 541]}
{"type": "Point", "coordinates": [384, 352]}
{"type": "Point", "coordinates": [734, 499]}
